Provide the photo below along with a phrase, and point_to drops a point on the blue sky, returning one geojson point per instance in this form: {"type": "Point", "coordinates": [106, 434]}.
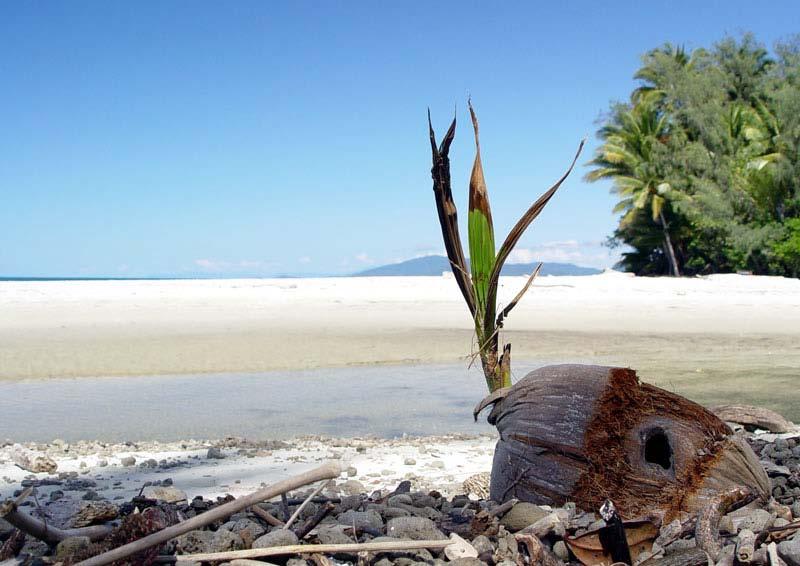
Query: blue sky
{"type": "Point", "coordinates": [198, 138]}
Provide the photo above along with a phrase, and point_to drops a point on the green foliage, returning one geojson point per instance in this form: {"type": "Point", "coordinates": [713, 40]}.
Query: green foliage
{"type": "Point", "coordinates": [705, 160]}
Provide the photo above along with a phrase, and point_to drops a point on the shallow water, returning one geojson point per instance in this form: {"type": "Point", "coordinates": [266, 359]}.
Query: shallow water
{"type": "Point", "coordinates": [385, 401]}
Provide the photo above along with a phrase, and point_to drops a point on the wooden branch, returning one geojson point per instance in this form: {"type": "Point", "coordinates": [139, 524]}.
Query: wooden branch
{"type": "Point", "coordinates": [753, 416]}
{"type": "Point", "coordinates": [266, 516]}
{"type": "Point", "coordinates": [707, 530]}
{"type": "Point", "coordinates": [312, 522]}
{"type": "Point", "coordinates": [303, 505]}
{"type": "Point", "coordinates": [354, 548]}
{"type": "Point", "coordinates": [39, 529]}
{"type": "Point", "coordinates": [745, 546]}
{"type": "Point", "coordinates": [327, 471]}
{"type": "Point", "coordinates": [501, 510]}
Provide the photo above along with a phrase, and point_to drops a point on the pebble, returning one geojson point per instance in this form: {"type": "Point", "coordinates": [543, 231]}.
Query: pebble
{"type": "Point", "coordinates": [370, 519]}
{"type": "Point", "coordinates": [410, 462]}
{"type": "Point", "coordinates": [522, 515]}
{"type": "Point", "coordinates": [789, 550]}
{"type": "Point", "coordinates": [71, 546]}
{"type": "Point", "coordinates": [215, 453]}
{"type": "Point", "coordinates": [278, 537]}
{"type": "Point", "coordinates": [128, 461]}
{"type": "Point", "coordinates": [164, 493]}
{"type": "Point", "coordinates": [561, 551]}
{"type": "Point", "coordinates": [414, 528]}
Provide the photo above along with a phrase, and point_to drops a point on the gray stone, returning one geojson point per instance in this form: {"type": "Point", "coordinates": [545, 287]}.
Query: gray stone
{"type": "Point", "coordinates": [215, 453]}
{"type": "Point", "coordinates": [245, 528]}
{"type": "Point", "coordinates": [278, 537]}
{"type": "Point", "coordinates": [361, 519]}
{"type": "Point", "coordinates": [332, 534]}
{"type": "Point", "coordinates": [401, 499]}
{"type": "Point", "coordinates": [560, 550]}
{"type": "Point", "coordinates": [796, 509]}
{"type": "Point", "coordinates": [194, 542]}
{"type": "Point", "coordinates": [224, 540]}
{"type": "Point", "coordinates": [31, 461]}
{"type": "Point", "coordinates": [350, 502]}
{"type": "Point", "coordinates": [70, 547]}
{"type": "Point", "coordinates": [352, 487]}
{"type": "Point", "coordinates": [294, 562]}
{"type": "Point", "coordinates": [467, 562]}
{"type": "Point", "coordinates": [789, 550]}
{"type": "Point", "coordinates": [420, 499]}
{"type": "Point", "coordinates": [351, 471]}
{"type": "Point", "coordinates": [410, 462]}
{"type": "Point", "coordinates": [128, 461]}
{"type": "Point", "coordinates": [392, 512]}
{"type": "Point", "coordinates": [161, 493]}
{"type": "Point", "coordinates": [753, 519]}
{"type": "Point", "coordinates": [482, 544]}
{"type": "Point", "coordinates": [414, 528]}
{"type": "Point", "coordinates": [522, 515]}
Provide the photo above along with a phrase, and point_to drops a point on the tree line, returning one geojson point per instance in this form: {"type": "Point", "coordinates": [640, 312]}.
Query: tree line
{"type": "Point", "coordinates": [705, 161]}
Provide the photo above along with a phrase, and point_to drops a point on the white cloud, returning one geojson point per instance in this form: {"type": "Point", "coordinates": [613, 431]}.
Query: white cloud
{"type": "Point", "coordinates": [304, 259]}
{"type": "Point", "coordinates": [589, 254]}
{"type": "Point", "coordinates": [218, 266]}
{"type": "Point", "coordinates": [364, 258]}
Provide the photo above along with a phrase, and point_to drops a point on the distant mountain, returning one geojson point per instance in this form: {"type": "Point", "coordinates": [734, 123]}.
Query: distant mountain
{"type": "Point", "coordinates": [437, 264]}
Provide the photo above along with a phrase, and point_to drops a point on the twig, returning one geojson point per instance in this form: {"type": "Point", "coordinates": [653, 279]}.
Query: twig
{"type": "Point", "coordinates": [501, 510]}
{"type": "Point", "coordinates": [312, 522]}
{"type": "Point", "coordinates": [285, 507]}
{"type": "Point", "coordinates": [328, 471]}
{"type": "Point", "coordinates": [266, 516]}
{"type": "Point", "coordinates": [303, 505]}
{"type": "Point", "coordinates": [39, 529]}
{"type": "Point", "coordinates": [389, 546]}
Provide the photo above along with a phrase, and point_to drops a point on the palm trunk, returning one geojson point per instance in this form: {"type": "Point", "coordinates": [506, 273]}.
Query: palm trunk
{"type": "Point", "coordinates": [670, 251]}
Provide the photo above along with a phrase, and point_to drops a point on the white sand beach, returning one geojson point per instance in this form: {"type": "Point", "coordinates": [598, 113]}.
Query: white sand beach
{"type": "Point", "coordinates": [113, 328]}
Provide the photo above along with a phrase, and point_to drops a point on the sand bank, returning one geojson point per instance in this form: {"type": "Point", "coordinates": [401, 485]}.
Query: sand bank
{"type": "Point", "coordinates": [111, 328]}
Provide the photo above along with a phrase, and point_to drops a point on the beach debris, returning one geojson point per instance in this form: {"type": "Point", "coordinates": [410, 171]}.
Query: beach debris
{"type": "Point", "coordinates": [753, 417]}
{"type": "Point", "coordinates": [32, 461]}
{"type": "Point", "coordinates": [616, 541]}
{"type": "Point", "coordinates": [95, 512]}
{"type": "Point", "coordinates": [324, 472]}
{"type": "Point", "coordinates": [552, 535]}
{"type": "Point", "coordinates": [590, 433]}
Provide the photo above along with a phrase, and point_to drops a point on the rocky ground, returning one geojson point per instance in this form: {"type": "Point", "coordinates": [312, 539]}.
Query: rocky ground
{"type": "Point", "coordinates": [419, 494]}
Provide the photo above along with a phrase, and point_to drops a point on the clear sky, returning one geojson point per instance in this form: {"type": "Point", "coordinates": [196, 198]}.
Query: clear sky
{"type": "Point", "coordinates": [196, 138]}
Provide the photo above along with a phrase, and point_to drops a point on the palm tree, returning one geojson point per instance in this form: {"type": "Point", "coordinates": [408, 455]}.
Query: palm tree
{"type": "Point", "coordinates": [627, 157]}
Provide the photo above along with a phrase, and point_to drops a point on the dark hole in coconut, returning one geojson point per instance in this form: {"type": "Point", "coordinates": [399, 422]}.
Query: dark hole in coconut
{"type": "Point", "coordinates": [657, 449]}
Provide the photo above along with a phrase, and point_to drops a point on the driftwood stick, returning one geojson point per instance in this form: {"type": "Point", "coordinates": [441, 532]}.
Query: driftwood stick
{"type": "Point", "coordinates": [266, 516]}
{"type": "Point", "coordinates": [327, 471]}
{"type": "Point", "coordinates": [37, 528]}
{"type": "Point", "coordinates": [707, 530]}
{"type": "Point", "coordinates": [303, 505]}
{"type": "Point", "coordinates": [538, 553]}
{"type": "Point", "coordinates": [355, 548]}
{"type": "Point", "coordinates": [745, 546]}
{"type": "Point", "coordinates": [285, 507]}
{"type": "Point", "coordinates": [312, 522]}
{"type": "Point", "coordinates": [501, 510]}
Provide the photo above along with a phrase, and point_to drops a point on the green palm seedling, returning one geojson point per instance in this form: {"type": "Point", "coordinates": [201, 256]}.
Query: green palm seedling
{"type": "Point", "coordinates": [479, 281]}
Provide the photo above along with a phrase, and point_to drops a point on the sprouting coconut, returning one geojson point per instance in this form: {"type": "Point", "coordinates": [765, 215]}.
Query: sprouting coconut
{"type": "Point", "coordinates": [575, 432]}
